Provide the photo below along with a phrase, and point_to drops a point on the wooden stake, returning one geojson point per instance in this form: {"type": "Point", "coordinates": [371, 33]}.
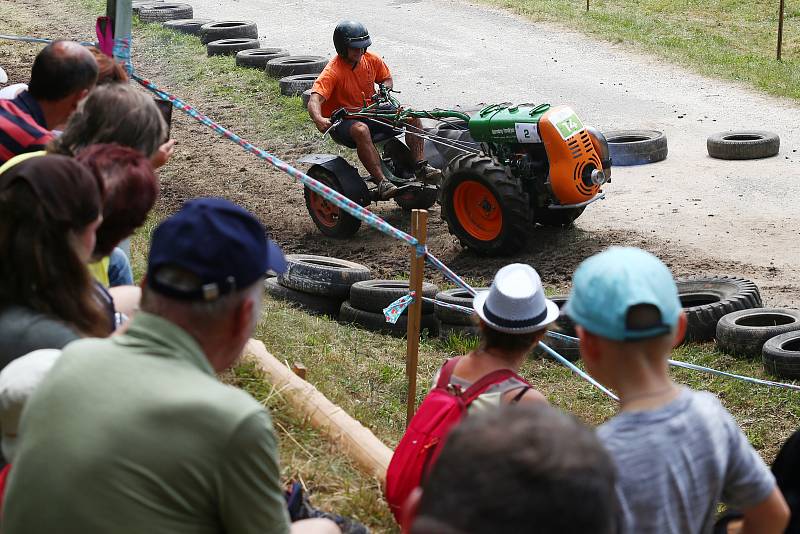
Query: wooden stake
{"type": "Point", "coordinates": [349, 436]}
{"type": "Point", "coordinates": [780, 29]}
{"type": "Point", "coordinates": [419, 229]}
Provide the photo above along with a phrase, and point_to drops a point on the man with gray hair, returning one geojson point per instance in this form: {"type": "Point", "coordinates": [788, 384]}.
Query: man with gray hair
{"type": "Point", "coordinates": [134, 433]}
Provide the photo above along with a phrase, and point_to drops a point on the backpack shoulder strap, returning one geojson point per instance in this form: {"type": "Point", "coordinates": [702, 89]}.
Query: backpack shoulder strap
{"type": "Point", "coordinates": [446, 372]}
{"type": "Point", "coordinates": [495, 377]}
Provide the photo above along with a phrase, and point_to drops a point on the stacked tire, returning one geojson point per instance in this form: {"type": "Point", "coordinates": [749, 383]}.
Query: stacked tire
{"type": "Point", "coordinates": [163, 11]}
{"type": "Point", "coordinates": [453, 321]}
{"type": "Point", "coordinates": [369, 298]}
{"type": "Point", "coordinates": [317, 284]}
{"type": "Point", "coordinates": [706, 299]}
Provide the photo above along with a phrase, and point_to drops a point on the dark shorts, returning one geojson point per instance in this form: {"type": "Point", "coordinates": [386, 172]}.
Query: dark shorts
{"type": "Point", "coordinates": [379, 131]}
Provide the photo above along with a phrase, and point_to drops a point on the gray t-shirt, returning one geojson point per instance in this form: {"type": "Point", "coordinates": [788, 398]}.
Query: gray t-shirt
{"type": "Point", "coordinates": [676, 463]}
{"type": "Point", "coordinates": [23, 330]}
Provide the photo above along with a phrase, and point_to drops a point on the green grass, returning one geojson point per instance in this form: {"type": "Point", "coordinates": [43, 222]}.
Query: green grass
{"type": "Point", "coordinates": [724, 38]}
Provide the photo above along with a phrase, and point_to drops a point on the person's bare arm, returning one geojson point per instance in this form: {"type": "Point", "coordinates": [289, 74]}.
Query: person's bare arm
{"type": "Point", "coordinates": [315, 112]}
{"type": "Point", "coordinates": [314, 526]}
{"type": "Point", "coordinates": [162, 155]}
{"type": "Point", "coordinates": [770, 516]}
{"type": "Point", "coordinates": [388, 83]}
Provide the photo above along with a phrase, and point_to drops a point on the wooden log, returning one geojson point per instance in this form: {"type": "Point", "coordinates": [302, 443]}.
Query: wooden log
{"type": "Point", "coordinates": [369, 453]}
{"type": "Point", "coordinates": [419, 229]}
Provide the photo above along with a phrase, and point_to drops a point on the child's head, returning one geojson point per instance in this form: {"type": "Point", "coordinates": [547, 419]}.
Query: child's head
{"type": "Point", "coordinates": [520, 468]}
{"type": "Point", "coordinates": [625, 304]}
{"type": "Point", "coordinates": [514, 313]}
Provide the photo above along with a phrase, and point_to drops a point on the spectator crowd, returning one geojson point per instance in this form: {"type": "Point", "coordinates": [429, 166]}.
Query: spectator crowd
{"type": "Point", "coordinates": [112, 417]}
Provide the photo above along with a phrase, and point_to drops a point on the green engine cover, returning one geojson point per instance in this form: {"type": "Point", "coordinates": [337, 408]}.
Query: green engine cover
{"type": "Point", "coordinates": [507, 123]}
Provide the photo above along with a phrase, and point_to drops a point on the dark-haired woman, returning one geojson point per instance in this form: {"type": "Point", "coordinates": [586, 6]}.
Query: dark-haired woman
{"type": "Point", "coordinates": [50, 208]}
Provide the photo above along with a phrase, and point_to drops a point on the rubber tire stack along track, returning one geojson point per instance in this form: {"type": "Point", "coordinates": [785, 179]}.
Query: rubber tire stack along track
{"type": "Point", "coordinates": [744, 332]}
{"type": "Point", "coordinates": [319, 284]}
{"type": "Point", "coordinates": [257, 58]}
{"type": "Point", "coordinates": [162, 12]}
{"type": "Point", "coordinates": [454, 321]}
{"type": "Point", "coordinates": [781, 355]}
{"type": "Point", "coordinates": [228, 29]}
{"type": "Point", "coordinates": [706, 299]}
{"type": "Point", "coordinates": [369, 298]}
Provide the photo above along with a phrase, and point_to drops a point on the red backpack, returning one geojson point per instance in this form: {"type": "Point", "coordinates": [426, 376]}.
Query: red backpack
{"type": "Point", "coordinates": [441, 409]}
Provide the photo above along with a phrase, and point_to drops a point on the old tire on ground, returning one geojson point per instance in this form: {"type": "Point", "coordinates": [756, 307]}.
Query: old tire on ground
{"type": "Point", "coordinates": [636, 147]}
{"type": "Point", "coordinates": [328, 218]}
{"type": "Point", "coordinates": [484, 207]}
{"type": "Point", "coordinates": [228, 29]}
{"type": "Point", "coordinates": [321, 275]}
{"type": "Point", "coordinates": [297, 83]}
{"type": "Point", "coordinates": [190, 26]}
{"type": "Point", "coordinates": [459, 297]}
{"type": "Point", "coordinates": [465, 331]}
{"type": "Point", "coordinates": [375, 295]}
{"type": "Point", "coordinates": [750, 144]}
{"type": "Point", "coordinates": [161, 12]}
{"type": "Point", "coordinates": [563, 325]}
{"type": "Point", "coordinates": [706, 299]}
{"type": "Point", "coordinates": [257, 57]}
{"type": "Point", "coordinates": [744, 332]}
{"type": "Point", "coordinates": [229, 47]}
{"type": "Point", "coordinates": [781, 355]}
{"type": "Point", "coordinates": [305, 97]}
{"type": "Point", "coordinates": [312, 303]}
{"type": "Point", "coordinates": [547, 217]}
{"type": "Point", "coordinates": [290, 65]}
{"type": "Point", "coordinates": [136, 5]}
{"type": "Point", "coordinates": [377, 321]}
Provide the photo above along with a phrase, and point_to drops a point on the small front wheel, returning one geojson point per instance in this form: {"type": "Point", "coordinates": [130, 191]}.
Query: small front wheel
{"type": "Point", "coordinates": [329, 218]}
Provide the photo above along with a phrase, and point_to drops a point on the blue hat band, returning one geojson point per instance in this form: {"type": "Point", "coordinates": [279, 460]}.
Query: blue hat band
{"type": "Point", "coordinates": [513, 323]}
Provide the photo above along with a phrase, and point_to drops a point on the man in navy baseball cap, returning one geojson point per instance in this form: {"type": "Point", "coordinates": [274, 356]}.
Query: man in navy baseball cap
{"type": "Point", "coordinates": [216, 246]}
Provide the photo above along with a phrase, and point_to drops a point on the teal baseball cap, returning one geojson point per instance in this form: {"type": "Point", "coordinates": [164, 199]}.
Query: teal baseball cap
{"type": "Point", "coordinates": [607, 285]}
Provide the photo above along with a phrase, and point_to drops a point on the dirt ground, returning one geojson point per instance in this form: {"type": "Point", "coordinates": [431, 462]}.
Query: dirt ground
{"type": "Point", "coordinates": [204, 164]}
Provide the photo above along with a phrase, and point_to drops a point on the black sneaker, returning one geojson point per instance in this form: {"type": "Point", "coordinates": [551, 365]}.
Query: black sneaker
{"type": "Point", "coordinates": [300, 508]}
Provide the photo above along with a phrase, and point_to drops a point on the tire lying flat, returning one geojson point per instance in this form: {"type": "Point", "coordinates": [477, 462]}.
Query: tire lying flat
{"type": "Point", "coordinates": [636, 147]}
{"type": "Point", "coordinates": [188, 26]}
{"type": "Point", "coordinates": [315, 304]}
{"type": "Point", "coordinates": [162, 12]}
{"type": "Point", "coordinates": [706, 299]}
{"type": "Point", "coordinates": [230, 47]}
{"type": "Point", "coordinates": [743, 333]}
{"type": "Point", "coordinates": [781, 355]}
{"type": "Point", "coordinates": [257, 58]}
{"type": "Point", "coordinates": [746, 144]}
{"type": "Point", "coordinates": [228, 29]}
{"type": "Point", "coordinates": [377, 321]}
{"type": "Point", "coordinates": [322, 275]}
{"type": "Point", "coordinates": [291, 65]}
{"type": "Point", "coordinates": [297, 83]}
{"type": "Point", "coordinates": [375, 295]}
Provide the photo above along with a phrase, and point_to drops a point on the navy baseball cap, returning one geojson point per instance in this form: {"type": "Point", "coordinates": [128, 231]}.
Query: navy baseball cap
{"type": "Point", "coordinates": [220, 243]}
{"type": "Point", "coordinates": [606, 286]}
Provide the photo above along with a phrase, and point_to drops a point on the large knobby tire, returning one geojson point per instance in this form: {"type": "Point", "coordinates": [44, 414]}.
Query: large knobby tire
{"type": "Point", "coordinates": [228, 29]}
{"type": "Point", "coordinates": [322, 275]}
{"type": "Point", "coordinates": [161, 12]}
{"type": "Point", "coordinates": [329, 218]}
{"type": "Point", "coordinates": [316, 304]}
{"type": "Point", "coordinates": [230, 47]}
{"type": "Point", "coordinates": [290, 65]}
{"type": "Point", "coordinates": [560, 218]}
{"type": "Point", "coordinates": [484, 206]}
{"type": "Point", "coordinates": [297, 83]}
{"type": "Point", "coordinates": [459, 297]}
{"type": "Point", "coordinates": [636, 147]}
{"type": "Point", "coordinates": [751, 144]}
{"type": "Point", "coordinates": [377, 321]}
{"type": "Point", "coordinates": [257, 57]}
{"type": "Point", "coordinates": [706, 299]}
{"type": "Point", "coordinates": [744, 332]}
{"type": "Point", "coordinates": [375, 295]}
{"type": "Point", "coordinates": [189, 26]}
{"type": "Point", "coordinates": [781, 355]}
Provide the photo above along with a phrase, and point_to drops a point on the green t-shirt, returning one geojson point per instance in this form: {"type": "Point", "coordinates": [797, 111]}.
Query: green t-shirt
{"type": "Point", "coordinates": [135, 434]}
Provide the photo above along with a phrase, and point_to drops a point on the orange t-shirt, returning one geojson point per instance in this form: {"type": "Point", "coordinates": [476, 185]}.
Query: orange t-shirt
{"type": "Point", "coordinates": [345, 87]}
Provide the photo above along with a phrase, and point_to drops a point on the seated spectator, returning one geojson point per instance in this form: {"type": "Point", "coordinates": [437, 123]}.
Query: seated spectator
{"type": "Point", "coordinates": [135, 433]}
{"type": "Point", "coordinates": [63, 73]}
{"type": "Point", "coordinates": [523, 468]}
{"type": "Point", "coordinates": [678, 452]}
{"type": "Point", "coordinates": [131, 189]}
{"type": "Point", "coordinates": [514, 315]}
{"type": "Point", "coordinates": [117, 113]}
{"type": "Point", "coordinates": [50, 207]}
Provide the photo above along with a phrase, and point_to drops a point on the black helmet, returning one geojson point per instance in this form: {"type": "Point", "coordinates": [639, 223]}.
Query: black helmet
{"type": "Point", "coordinates": [350, 34]}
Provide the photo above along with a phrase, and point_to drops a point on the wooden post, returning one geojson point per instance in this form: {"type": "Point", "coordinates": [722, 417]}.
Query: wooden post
{"type": "Point", "coordinates": [299, 369]}
{"type": "Point", "coordinates": [122, 16]}
{"type": "Point", "coordinates": [419, 229]}
{"type": "Point", "coordinates": [780, 29]}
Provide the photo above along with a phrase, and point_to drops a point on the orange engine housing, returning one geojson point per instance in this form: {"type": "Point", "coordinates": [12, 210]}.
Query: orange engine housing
{"type": "Point", "coordinates": [571, 154]}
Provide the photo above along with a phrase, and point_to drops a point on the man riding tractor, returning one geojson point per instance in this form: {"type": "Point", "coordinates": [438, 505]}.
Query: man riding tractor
{"type": "Point", "coordinates": [348, 81]}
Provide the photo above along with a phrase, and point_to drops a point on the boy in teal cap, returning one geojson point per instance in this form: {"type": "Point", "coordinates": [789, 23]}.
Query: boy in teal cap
{"type": "Point", "coordinates": [678, 452]}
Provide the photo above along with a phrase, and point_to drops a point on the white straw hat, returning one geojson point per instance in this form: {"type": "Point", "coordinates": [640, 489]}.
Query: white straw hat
{"type": "Point", "coordinates": [515, 303]}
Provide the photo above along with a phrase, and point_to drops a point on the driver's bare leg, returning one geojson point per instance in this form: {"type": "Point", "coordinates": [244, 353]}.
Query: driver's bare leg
{"type": "Point", "coordinates": [413, 140]}
{"type": "Point", "coordinates": [366, 151]}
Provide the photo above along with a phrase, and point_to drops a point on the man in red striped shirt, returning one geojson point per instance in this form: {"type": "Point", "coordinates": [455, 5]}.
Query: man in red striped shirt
{"type": "Point", "coordinates": [63, 73]}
